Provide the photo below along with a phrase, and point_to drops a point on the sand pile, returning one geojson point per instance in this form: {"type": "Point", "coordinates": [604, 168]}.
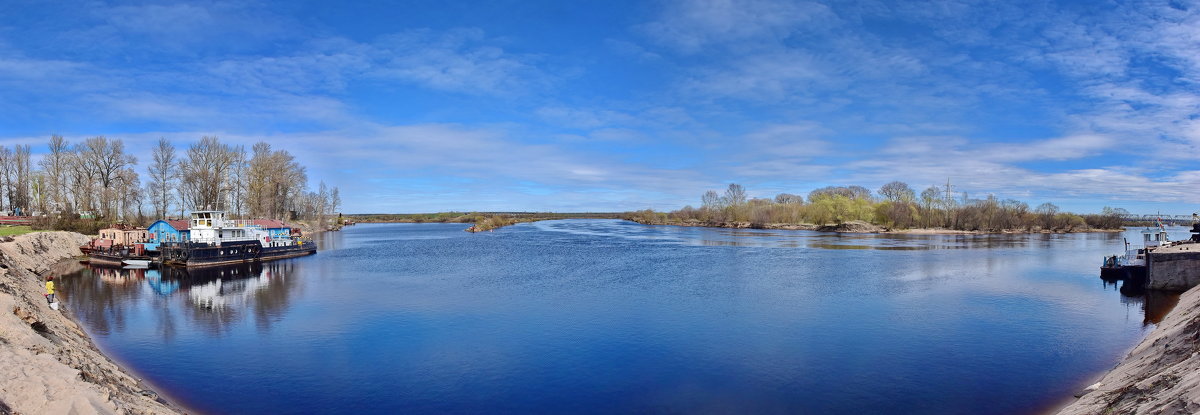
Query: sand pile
{"type": "Point", "coordinates": [49, 364]}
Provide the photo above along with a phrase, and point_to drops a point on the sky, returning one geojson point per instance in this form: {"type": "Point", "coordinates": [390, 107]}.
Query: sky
{"type": "Point", "coordinates": [576, 106]}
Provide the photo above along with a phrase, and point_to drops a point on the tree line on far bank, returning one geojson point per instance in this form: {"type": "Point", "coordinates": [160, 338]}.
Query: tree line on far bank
{"type": "Point", "coordinates": [91, 184]}
{"type": "Point", "coordinates": [895, 206]}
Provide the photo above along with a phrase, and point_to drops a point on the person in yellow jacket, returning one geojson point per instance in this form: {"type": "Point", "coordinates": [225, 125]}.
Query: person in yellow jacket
{"type": "Point", "coordinates": [50, 288]}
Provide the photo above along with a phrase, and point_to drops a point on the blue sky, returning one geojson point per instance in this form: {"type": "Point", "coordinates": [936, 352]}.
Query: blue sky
{"type": "Point", "coordinates": [426, 106]}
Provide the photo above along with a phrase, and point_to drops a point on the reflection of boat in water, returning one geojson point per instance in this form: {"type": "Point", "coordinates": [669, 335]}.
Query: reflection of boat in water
{"type": "Point", "coordinates": [119, 276]}
{"type": "Point", "coordinates": [136, 263]}
{"type": "Point", "coordinates": [218, 287]}
{"type": "Point", "coordinates": [161, 287]}
{"type": "Point", "coordinates": [214, 240]}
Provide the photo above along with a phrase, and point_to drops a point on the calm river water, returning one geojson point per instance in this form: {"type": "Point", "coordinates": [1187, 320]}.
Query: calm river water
{"type": "Point", "coordinates": [604, 316]}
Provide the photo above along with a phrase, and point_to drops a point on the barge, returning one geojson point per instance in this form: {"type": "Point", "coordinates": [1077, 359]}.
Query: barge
{"type": "Point", "coordinates": [118, 256]}
{"type": "Point", "coordinates": [1131, 267]}
{"type": "Point", "coordinates": [118, 245]}
{"type": "Point", "coordinates": [214, 240]}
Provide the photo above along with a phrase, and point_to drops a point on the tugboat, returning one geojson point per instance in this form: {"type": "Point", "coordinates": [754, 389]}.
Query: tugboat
{"type": "Point", "coordinates": [215, 240]}
{"type": "Point", "coordinates": [1131, 267]}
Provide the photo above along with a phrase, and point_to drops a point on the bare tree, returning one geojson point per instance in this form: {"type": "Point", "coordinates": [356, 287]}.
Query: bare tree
{"type": "Point", "coordinates": [322, 205]}
{"type": "Point", "coordinates": [22, 174]}
{"type": "Point", "coordinates": [163, 174]}
{"type": "Point", "coordinates": [335, 200]}
{"type": "Point", "coordinates": [204, 174]}
{"type": "Point", "coordinates": [106, 159]}
{"type": "Point", "coordinates": [735, 195]}
{"type": "Point", "coordinates": [788, 198]}
{"type": "Point", "coordinates": [54, 164]}
{"type": "Point", "coordinates": [80, 185]}
{"type": "Point", "coordinates": [710, 200]}
{"type": "Point", "coordinates": [7, 173]}
{"type": "Point", "coordinates": [897, 192]}
{"type": "Point", "coordinates": [276, 183]}
{"type": "Point", "coordinates": [237, 180]}
{"type": "Point", "coordinates": [37, 191]}
{"type": "Point", "coordinates": [1047, 211]}
{"type": "Point", "coordinates": [929, 202]}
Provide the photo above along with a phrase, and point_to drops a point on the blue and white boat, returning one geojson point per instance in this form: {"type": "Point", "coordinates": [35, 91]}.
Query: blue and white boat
{"type": "Point", "coordinates": [215, 240]}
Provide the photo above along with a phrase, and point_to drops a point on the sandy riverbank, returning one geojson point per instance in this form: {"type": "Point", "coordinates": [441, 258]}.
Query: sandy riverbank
{"type": "Point", "coordinates": [49, 364]}
{"type": "Point", "coordinates": [1160, 376]}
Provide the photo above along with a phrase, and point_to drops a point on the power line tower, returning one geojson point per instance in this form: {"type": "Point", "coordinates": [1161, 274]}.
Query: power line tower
{"type": "Point", "coordinates": [951, 216]}
{"type": "Point", "coordinates": [949, 193]}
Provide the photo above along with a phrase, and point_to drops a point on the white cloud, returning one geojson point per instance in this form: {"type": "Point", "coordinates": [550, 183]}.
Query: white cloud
{"type": "Point", "coordinates": [692, 25]}
{"type": "Point", "coordinates": [306, 85]}
{"type": "Point", "coordinates": [459, 60]}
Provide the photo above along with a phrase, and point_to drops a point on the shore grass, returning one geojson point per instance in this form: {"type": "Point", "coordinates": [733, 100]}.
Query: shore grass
{"type": "Point", "coordinates": [15, 230]}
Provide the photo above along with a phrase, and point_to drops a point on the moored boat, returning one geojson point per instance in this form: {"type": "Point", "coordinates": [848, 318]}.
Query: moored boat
{"type": "Point", "coordinates": [116, 244]}
{"type": "Point", "coordinates": [1131, 267]}
{"type": "Point", "coordinates": [117, 255]}
{"type": "Point", "coordinates": [215, 240]}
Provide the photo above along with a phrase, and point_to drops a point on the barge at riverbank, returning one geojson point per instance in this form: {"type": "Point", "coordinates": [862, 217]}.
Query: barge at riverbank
{"type": "Point", "coordinates": [215, 240]}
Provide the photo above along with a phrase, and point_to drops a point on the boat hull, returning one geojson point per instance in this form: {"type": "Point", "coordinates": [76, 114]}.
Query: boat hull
{"type": "Point", "coordinates": [115, 258]}
{"type": "Point", "coordinates": [229, 253]}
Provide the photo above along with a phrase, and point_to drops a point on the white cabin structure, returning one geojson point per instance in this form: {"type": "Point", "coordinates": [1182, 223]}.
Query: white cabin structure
{"type": "Point", "coordinates": [211, 227]}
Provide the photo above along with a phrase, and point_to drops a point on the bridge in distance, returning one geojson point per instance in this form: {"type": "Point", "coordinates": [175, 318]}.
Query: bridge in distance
{"type": "Point", "coordinates": [1166, 219]}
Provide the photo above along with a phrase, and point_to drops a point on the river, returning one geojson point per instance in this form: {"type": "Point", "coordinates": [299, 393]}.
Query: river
{"type": "Point", "coordinates": [606, 316]}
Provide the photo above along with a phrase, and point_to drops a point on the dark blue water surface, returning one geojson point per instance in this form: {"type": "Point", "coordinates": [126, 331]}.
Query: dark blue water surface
{"type": "Point", "coordinates": [603, 316]}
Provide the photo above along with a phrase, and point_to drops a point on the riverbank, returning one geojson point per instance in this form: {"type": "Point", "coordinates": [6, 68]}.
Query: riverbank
{"type": "Point", "coordinates": [864, 227]}
{"type": "Point", "coordinates": [1160, 376]}
{"type": "Point", "coordinates": [50, 363]}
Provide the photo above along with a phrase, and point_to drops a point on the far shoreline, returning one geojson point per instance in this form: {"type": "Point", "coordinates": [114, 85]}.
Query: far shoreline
{"type": "Point", "coordinates": [867, 228]}
{"type": "Point", "coordinates": [873, 229]}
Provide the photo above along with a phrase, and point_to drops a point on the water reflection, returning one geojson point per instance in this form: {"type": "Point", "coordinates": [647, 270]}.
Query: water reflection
{"type": "Point", "coordinates": [782, 238]}
{"type": "Point", "coordinates": [1154, 304]}
{"type": "Point", "coordinates": [215, 297]}
{"type": "Point", "coordinates": [879, 247]}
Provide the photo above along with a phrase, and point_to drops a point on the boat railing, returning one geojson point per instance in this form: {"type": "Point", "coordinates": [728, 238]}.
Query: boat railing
{"type": "Point", "coordinates": [240, 223]}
